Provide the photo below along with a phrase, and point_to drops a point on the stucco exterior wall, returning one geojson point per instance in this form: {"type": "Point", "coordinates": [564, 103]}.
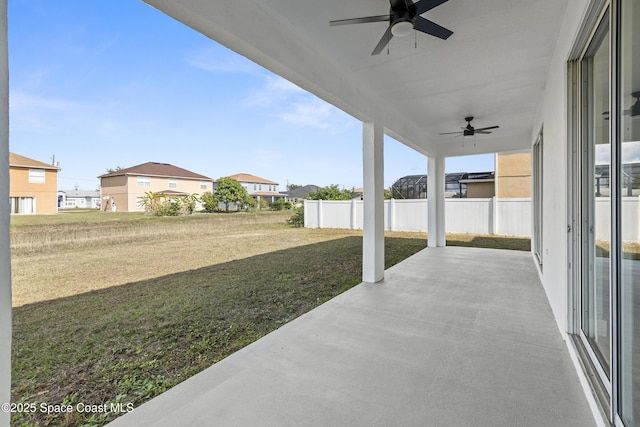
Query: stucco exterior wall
{"type": "Point", "coordinates": [114, 187]}
{"type": "Point", "coordinates": [481, 190]}
{"type": "Point", "coordinates": [126, 193]}
{"type": "Point", "coordinates": [513, 175]}
{"type": "Point", "coordinates": [553, 116]}
{"type": "Point", "coordinates": [45, 194]}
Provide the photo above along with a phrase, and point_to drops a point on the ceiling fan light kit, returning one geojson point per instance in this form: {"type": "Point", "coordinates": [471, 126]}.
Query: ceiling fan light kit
{"type": "Point", "coordinates": [402, 28]}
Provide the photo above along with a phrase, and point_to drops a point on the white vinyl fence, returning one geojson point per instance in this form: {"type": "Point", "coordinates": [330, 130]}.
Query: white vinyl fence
{"type": "Point", "coordinates": [474, 216]}
{"type": "Point", "coordinates": [507, 217]}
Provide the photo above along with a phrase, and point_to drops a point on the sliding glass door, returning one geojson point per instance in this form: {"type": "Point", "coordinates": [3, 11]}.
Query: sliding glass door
{"type": "Point", "coordinates": [629, 178]}
{"type": "Point", "coordinates": [596, 202]}
{"type": "Point", "coordinates": [605, 257]}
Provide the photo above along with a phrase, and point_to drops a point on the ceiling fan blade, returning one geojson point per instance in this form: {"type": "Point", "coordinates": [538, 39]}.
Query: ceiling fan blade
{"type": "Point", "coordinates": [384, 41]}
{"type": "Point", "coordinates": [450, 133]}
{"type": "Point", "coordinates": [430, 27]}
{"type": "Point", "coordinates": [363, 20]}
{"type": "Point", "coordinates": [487, 128]}
{"type": "Point", "coordinates": [482, 131]}
{"type": "Point", "coordinates": [423, 6]}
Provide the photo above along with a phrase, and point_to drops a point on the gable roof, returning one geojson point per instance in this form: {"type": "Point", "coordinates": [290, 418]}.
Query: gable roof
{"type": "Point", "coordinates": [302, 191]}
{"type": "Point", "coordinates": [245, 177]}
{"type": "Point", "coordinates": [157, 169]}
{"type": "Point", "coordinates": [80, 193]}
{"type": "Point", "coordinates": [19, 161]}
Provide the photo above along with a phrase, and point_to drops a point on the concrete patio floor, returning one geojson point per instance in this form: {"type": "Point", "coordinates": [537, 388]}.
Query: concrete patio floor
{"type": "Point", "coordinates": [452, 337]}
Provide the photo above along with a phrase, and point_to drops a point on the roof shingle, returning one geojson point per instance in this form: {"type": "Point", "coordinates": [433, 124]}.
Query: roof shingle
{"type": "Point", "coordinates": [17, 160]}
{"type": "Point", "coordinates": [157, 169]}
{"type": "Point", "coordinates": [245, 177]}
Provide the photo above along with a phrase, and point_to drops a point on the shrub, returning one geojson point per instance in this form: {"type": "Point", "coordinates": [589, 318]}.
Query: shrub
{"type": "Point", "coordinates": [297, 220]}
{"type": "Point", "coordinates": [209, 202]}
{"type": "Point", "coordinates": [280, 205]}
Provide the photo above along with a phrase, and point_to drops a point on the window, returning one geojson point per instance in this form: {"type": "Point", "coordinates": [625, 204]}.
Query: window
{"type": "Point", "coordinates": [36, 176]}
{"type": "Point", "coordinates": [22, 205]}
{"type": "Point", "coordinates": [537, 199]}
{"type": "Point", "coordinates": [144, 181]}
{"type": "Point", "coordinates": [173, 183]}
{"type": "Point", "coordinates": [203, 185]}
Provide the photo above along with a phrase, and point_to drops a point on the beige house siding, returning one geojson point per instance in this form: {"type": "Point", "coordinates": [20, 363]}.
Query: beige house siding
{"type": "Point", "coordinates": [126, 193]}
{"type": "Point", "coordinates": [480, 190]}
{"type": "Point", "coordinates": [114, 188]}
{"type": "Point", "coordinates": [158, 185]}
{"type": "Point", "coordinates": [513, 175]}
{"type": "Point", "coordinates": [45, 194]}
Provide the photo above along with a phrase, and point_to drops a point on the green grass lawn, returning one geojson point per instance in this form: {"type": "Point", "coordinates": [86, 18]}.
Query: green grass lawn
{"type": "Point", "coordinates": [121, 307]}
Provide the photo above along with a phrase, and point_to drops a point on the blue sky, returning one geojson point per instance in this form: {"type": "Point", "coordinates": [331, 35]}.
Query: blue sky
{"type": "Point", "coordinates": [117, 83]}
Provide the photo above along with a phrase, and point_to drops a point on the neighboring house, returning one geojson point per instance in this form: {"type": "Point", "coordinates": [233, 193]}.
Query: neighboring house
{"type": "Point", "coordinates": [479, 185]}
{"type": "Point", "coordinates": [71, 199]}
{"type": "Point", "coordinates": [123, 189]}
{"type": "Point", "coordinates": [33, 186]}
{"type": "Point", "coordinates": [513, 175]}
{"type": "Point", "coordinates": [299, 194]}
{"type": "Point", "coordinates": [457, 185]}
{"type": "Point", "coordinates": [258, 188]}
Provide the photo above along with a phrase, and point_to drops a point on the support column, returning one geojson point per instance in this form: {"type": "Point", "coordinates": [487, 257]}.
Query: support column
{"type": "Point", "coordinates": [435, 201]}
{"type": "Point", "coordinates": [373, 215]}
{"type": "Point", "coordinates": [5, 246]}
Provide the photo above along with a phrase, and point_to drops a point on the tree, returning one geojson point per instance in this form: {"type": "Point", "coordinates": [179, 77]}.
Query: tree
{"type": "Point", "coordinates": [209, 202]}
{"type": "Point", "coordinates": [293, 186]}
{"type": "Point", "coordinates": [331, 192]}
{"type": "Point", "coordinates": [230, 192]}
{"type": "Point", "coordinates": [112, 170]}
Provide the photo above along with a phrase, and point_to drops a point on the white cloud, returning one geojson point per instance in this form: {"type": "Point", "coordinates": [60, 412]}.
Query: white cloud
{"type": "Point", "coordinates": [291, 104]}
{"type": "Point", "coordinates": [217, 60]}
{"type": "Point", "coordinates": [21, 101]}
{"type": "Point", "coordinates": [313, 112]}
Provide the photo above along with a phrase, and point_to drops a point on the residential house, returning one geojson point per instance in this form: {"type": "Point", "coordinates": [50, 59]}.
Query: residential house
{"type": "Point", "coordinates": [299, 194]}
{"type": "Point", "coordinates": [513, 175]}
{"type": "Point", "coordinates": [258, 188]}
{"type": "Point", "coordinates": [123, 190]}
{"type": "Point", "coordinates": [456, 185]}
{"type": "Point", "coordinates": [71, 199]}
{"type": "Point", "coordinates": [33, 186]}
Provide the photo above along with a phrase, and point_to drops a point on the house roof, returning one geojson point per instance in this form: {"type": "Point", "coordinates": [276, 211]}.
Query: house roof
{"type": "Point", "coordinates": [157, 169]}
{"type": "Point", "coordinates": [302, 191]}
{"type": "Point", "coordinates": [80, 193]}
{"type": "Point", "coordinates": [245, 177]}
{"type": "Point", "coordinates": [19, 161]}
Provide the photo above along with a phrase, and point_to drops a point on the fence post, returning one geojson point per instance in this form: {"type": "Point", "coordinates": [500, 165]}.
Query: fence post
{"type": "Point", "coordinates": [319, 213]}
{"type": "Point", "coordinates": [392, 214]}
{"type": "Point", "coordinates": [353, 214]}
{"type": "Point", "coordinates": [493, 214]}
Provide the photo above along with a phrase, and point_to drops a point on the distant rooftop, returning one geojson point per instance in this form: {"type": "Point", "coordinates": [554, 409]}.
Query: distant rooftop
{"type": "Point", "coordinates": [157, 169]}
{"type": "Point", "coordinates": [17, 160]}
{"type": "Point", "coordinates": [246, 177]}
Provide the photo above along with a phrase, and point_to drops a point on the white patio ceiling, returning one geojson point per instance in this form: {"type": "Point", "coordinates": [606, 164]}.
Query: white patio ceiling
{"type": "Point", "coordinates": [493, 67]}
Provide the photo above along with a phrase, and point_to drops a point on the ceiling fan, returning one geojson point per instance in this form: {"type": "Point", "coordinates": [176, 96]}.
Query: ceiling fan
{"type": "Point", "coordinates": [404, 16]}
{"type": "Point", "coordinates": [470, 130]}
